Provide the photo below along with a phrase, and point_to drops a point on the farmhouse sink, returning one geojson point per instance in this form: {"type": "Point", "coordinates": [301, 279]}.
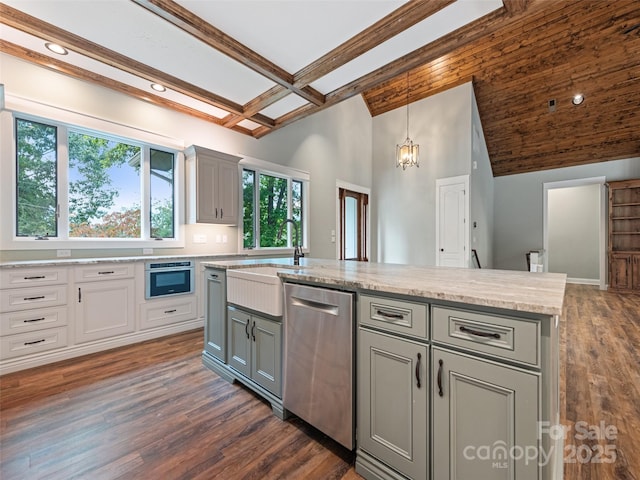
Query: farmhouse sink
{"type": "Point", "coordinates": [258, 288]}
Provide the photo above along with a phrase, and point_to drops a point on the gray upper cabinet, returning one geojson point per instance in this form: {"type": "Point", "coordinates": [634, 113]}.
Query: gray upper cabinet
{"type": "Point", "coordinates": [212, 186]}
{"type": "Point", "coordinates": [215, 325]}
{"type": "Point", "coordinates": [483, 414]}
{"type": "Point", "coordinates": [393, 389]}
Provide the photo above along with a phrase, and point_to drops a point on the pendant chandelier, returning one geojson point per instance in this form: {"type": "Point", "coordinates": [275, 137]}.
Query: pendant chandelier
{"type": "Point", "coordinates": [407, 153]}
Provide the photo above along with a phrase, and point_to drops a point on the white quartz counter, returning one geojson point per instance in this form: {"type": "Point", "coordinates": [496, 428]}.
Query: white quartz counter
{"type": "Point", "coordinates": [541, 293]}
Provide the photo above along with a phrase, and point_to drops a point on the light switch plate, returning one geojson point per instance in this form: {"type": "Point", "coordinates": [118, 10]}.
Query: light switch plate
{"type": "Point", "coordinates": [63, 253]}
{"type": "Point", "coordinates": [147, 251]}
{"type": "Point", "coordinates": [199, 238]}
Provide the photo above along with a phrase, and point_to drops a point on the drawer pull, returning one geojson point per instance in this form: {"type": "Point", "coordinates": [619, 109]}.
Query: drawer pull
{"type": "Point", "coordinates": [34, 298]}
{"type": "Point", "coordinates": [418, 371]}
{"type": "Point", "coordinates": [36, 277]}
{"type": "Point", "coordinates": [478, 333]}
{"type": "Point", "coordinates": [34, 342]}
{"type": "Point", "coordinates": [34, 320]}
{"type": "Point", "coordinates": [106, 273]}
{"type": "Point", "coordinates": [390, 315]}
{"type": "Point", "coordinates": [170, 311]}
{"type": "Point", "coordinates": [440, 392]}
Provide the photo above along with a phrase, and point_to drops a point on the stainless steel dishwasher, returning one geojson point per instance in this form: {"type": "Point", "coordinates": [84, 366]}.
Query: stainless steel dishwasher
{"type": "Point", "coordinates": [318, 360]}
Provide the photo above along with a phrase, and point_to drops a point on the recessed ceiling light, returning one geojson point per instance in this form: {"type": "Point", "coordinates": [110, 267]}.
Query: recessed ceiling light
{"type": "Point", "coordinates": [158, 88]}
{"type": "Point", "coordinates": [577, 99]}
{"type": "Point", "coordinates": [55, 48]}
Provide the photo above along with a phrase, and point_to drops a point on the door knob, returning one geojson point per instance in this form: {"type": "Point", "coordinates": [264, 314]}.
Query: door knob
{"type": "Point", "coordinates": [442, 249]}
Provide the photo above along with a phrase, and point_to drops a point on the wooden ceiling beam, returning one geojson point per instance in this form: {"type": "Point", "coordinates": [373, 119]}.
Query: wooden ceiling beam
{"type": "Point", "coordinates": [38, 28]}
{"type": "Point", "coordinates": [195, 26]}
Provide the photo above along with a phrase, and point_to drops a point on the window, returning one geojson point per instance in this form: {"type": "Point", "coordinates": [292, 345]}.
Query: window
{"type": "Point", "coordinates": [269, 199]}
{"type": "Point", "coordinates": [74, 184]}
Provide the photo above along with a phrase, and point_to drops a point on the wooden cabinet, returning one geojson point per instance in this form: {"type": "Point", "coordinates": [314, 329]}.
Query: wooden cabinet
{"type": "Point", "coordinates": [624, 236]}
{"type": "Point", "coordinates": [212, 186]}
{"type": "Point", "coordinates": [482, 411]}
{"type": "Point", "coordinates": [393, 389]}
{"type": "Point", "coordinates": [104, 302]}
{"type": "Point", "coordinates": [33, 311]}
{"type": "Point", "coordinates": [215, 322]}
{"type": "Point", "coordinates": [255, 348]}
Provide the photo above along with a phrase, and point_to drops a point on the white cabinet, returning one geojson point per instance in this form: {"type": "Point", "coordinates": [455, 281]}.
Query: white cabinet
{"type": "Point", "coordinates": [212, 186]}
{"type": "Point", "coordinates": [33, 311]}
{"type": "Point", "coordinates": [159, 312]}
{"type": "Point", "coordinates": [105, 302]}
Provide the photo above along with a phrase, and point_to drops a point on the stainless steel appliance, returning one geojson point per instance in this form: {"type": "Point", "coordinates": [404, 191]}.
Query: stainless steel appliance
{"type": "Point", "coordinates": [168, 278]}
{"type": "Point", "coordinates": [319, 360]}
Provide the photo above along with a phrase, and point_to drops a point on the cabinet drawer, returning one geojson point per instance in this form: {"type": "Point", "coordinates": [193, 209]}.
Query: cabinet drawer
{"type": "Point", "coordinates": [28, 298]}
{"type": "Point", "coordinates": [32, 342]}
{"type": "Point", "coordinates": [102, 272]}
{"type": "Point", "coordinates": [30, 320]}
{"type": "Point", "coordinates": [505, 337]}
{"type": "Point", "coordinates": [21, 277]}
{"type": "Point", "coordinates": [394, 315]}
{"type": "Point", "coordinates": [155, 314]}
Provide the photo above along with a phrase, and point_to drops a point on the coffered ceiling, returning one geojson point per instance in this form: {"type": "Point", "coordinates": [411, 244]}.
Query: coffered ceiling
{"type": "Point", "coordinates": [255, 66]}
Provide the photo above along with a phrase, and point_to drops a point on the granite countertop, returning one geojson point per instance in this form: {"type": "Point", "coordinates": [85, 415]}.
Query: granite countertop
{"type": "Point", "coordinates": [541, 293]}
{"type": "Point", "coordinates": [95, 260]}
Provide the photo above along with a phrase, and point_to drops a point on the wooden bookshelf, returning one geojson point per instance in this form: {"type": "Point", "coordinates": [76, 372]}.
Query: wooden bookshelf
{"type": "Point", "coordinates": [624, 236]}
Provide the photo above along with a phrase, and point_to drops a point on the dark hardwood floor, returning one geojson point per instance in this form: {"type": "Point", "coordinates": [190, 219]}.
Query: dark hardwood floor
{"type": "Point", "coordinates": [152, 411]}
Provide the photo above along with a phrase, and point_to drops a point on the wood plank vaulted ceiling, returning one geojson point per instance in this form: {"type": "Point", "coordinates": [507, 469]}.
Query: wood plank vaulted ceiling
{"type": "Point", "coordinates": [519, 56]}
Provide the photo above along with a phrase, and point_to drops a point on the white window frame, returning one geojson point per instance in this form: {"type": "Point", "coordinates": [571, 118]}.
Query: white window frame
{"type": "Point", "coordinates": [291, 174]}
{"type": "Point", "coordinates": [64, 120]}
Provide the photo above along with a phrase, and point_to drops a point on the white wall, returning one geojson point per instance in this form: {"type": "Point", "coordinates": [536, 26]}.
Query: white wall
{"type": "Point", "coordinates": [518, 206]}
{"type": "Point", "coordinates": [573, 229]}
{"type": "Point", "coordinates": [403, 202]}
{"type": "Point", "coordinates": [332, 144]}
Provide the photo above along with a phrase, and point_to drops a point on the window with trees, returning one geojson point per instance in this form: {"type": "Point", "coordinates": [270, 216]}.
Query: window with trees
{"type": "Point", "coordinates": [74, 184]}
{"type": "Point", "coordinates": [270, 199]}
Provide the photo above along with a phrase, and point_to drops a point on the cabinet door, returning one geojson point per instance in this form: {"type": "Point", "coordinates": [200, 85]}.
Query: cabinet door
{"type": "Point", "coordinates": [635, 278]}
{"type": "Point", "coordinates": [266, 354]}
{"type": "Point", "coordinates": [620, 272]}
{"type": "Point", "coordinates": [215, 325]}
{"type": "Point", "coordinates": [481, 411]}
{"type": "Point", "coordinates": [392, 407]}
{"type": "Point", "coordinates": [239, 343]}
{"type": "Point", "coordinates": [206, 189]}
{"type": "Point", "coordinates": [227, 191]}
{"type": "Point", "coordinates": [104, 309]}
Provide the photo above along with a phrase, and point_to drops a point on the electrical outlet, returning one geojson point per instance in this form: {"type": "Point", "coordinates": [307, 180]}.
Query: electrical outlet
{"type": "Point", "coordinates": [199, 238]}
{"type": "Point", "coordinates": [63, 253]}
{"type": "Point", "coordinates": [224, 239]}
{"type": "Point", "coordinates": [147, 251]}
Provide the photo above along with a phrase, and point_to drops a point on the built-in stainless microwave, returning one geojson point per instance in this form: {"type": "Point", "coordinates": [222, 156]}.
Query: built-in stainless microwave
{"type": "Point", "coordinates": [169, 278]}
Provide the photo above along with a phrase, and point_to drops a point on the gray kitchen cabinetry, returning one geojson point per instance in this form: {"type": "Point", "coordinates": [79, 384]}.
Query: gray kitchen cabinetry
{"type": "Point", "coordinates": [212, 186]}
{"type": "Point", "coordinates": [255, 348]}
{"type": "Point", "coordinates": [215, 324]}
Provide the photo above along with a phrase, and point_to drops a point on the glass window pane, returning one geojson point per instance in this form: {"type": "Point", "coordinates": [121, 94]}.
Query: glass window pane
{"type": "Point", "coordinates": [104, 188]}
{"type": "Point", "coordinates": [350, 228]}
{"type": "Point", "coordinates": [36, 147]}
{"type": "Point", "coordinates": [161, 182]}
{"type": "Point", "coordinates": [296, 207]}
{"type": "Point", "coordinates": [273, 210]}
{"type": "Point", "coordinates": [248, 208]}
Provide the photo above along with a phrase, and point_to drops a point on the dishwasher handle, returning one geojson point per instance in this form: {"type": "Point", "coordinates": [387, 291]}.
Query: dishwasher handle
{"type": "Point", "coordinates": [319, 306]}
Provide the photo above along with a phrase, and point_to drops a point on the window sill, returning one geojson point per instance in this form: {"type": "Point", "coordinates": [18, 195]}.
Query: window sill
{"type": "Point", "coordinates": [88, 243]}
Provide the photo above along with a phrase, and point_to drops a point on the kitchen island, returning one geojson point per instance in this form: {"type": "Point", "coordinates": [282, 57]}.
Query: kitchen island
{"type": "Point", "coordinates": [456, 369]}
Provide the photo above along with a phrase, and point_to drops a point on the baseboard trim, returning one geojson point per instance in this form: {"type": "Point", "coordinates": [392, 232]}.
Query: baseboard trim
{"type": "Point", "coordinates": [584, 281]}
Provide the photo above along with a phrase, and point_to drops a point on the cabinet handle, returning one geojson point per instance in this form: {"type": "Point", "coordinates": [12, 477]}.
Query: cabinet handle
{"type": "Point", "coordinates": [106, 273]}
{"type": "Point", "coordinates": [79, 295]}
{"type": "Point", "coordinates": [221, 213]}
{"type": "Point", "coordinates": [33, 320]}
{"type": "Point", "coordinates": [478, 333]}
{"type": "Point", "coordinates": [440, 392]}
{"type": "Point", "coordinates": [34, 342]}
{"type": "Point", "coordinates": [34, 298]}
{"type": "Point", "coordinates": [216, 212]}
{"type": "Point", "coordinates": [389, 314]}
{"type": "Point", "coordinates": [37, 277]}
{"type": "Point", "coordinates": [253, 331]}
{"type": "Point", "coordinates": [418, 370]}
{"type": "Point", "coordinates": [170, 311]}
{"type": "Point", "coordinates": [246, 329]}
{"type": "Point", "coordinates": [213, 276]}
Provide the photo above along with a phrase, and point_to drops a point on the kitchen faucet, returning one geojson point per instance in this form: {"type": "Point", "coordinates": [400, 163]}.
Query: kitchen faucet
{"type": "Point", "coordinates": [297, 251]}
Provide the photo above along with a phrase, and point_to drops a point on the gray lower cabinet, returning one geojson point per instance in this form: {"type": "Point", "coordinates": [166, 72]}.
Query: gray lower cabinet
{"type": "Point", "coordinates": [484, 419]}
{"type": "Point", "coordinates": [215, 325]}
{"type": "Point", "coordinates": [255, 348]}
{"type": "Point", "coordinates": [393, 391]}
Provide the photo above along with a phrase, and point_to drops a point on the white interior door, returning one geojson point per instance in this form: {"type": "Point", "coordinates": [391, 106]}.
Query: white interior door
{"type": "Point", "coordinates": [452, 233]}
